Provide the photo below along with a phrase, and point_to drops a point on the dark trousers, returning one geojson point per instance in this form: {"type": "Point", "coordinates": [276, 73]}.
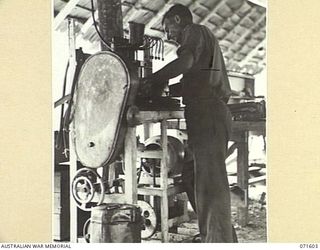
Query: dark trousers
{"type": "Point", "coordinates": [205, 178]}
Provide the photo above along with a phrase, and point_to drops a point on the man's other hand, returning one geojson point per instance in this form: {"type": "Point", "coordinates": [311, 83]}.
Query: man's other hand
{"type": "Point", "coordinates": [149, 87]}
{"type": "Point", "coordinates": [146, 85]}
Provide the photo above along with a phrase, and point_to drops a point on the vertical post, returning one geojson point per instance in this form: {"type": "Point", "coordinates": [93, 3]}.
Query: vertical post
{"type": "Point", "coordinates": [111, 173]}
{"type": "Point", "coordinates": [147, 130]}
{"type": "Point", "coordinates": [64, 13]}
{"type": "Point", "coordinates": [72, 52]}
{"type": "Point", "coordinates": [110, 20]}
{"type": "Point", "coordinates": [130, 161]}
{"type": "Point", "coordinates": [73, 206]}
{"type": "Point", "coordinates": [164, 184]}
{"type": "Point", "coordinates": [73, 158]}
{"type": "Point", "coordinates": [105, 173]}
{"type": "Point", "coordinates": [243, 176]}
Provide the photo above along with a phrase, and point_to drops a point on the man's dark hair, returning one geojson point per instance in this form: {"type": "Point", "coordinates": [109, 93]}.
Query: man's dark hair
{"type": "Point", "coordinates": [182, 11]}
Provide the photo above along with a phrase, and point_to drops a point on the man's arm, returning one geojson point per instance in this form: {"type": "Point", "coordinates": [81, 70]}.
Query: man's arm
{"type": "Point", "coordinates": [153, 83]}
{"type": "Point", "coordinates": [179, 66]}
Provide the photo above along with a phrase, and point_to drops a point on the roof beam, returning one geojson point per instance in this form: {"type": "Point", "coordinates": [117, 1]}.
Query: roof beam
{"type": "Point", "coordinates": [252, 53]}
{"type": "Point", "coordinates": [85, 27]}
{"type": "Point", "coordinates": [154, 32]}
{"type": "Point", "coordinates": [64, 13]}
{"type": "Point", "coordinates": [213, 12]}
{"type": "Point", "coordinates": [78, 5]}
{"type": "Point", "coordinates": [240, 21]}
{"type": "Point", "coordinates": [200, 5]}
{"type": "Point", "coordinates": [262, 3]}
{"type": "Point", "coordinates": [248, 31]}
{"type": "Point", "coordinates": [159, 14]}
{"type": "Point", "coordinates": [130, 13]}
{"type": "Point", "coordinates": [262, 64]}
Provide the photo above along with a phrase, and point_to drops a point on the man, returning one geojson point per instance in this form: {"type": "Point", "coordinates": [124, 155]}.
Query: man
{"type": "Point", "coordinates": [205, 91]}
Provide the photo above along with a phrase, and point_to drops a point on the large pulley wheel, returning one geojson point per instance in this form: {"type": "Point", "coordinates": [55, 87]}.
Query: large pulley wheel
{"type": "Point", "coordinates": [86, 185]}
{"type": "Point", "coordinates": [175, 156]}
{"type": "Point", "coordinates": [105, 88]}
{"type": "Point", "coordinates": [149, 219]}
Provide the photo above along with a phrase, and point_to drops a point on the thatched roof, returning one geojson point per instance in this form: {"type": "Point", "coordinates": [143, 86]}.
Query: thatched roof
{"type": "Point", "coordinates": [239, 25]}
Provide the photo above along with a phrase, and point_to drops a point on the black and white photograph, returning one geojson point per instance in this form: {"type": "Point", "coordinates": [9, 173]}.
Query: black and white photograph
{"type": "Point", "coordinates": [159, 121]}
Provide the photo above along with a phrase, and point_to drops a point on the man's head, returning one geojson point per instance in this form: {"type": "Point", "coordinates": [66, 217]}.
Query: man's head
{"type": "Point", "coordinates": [174, 21]}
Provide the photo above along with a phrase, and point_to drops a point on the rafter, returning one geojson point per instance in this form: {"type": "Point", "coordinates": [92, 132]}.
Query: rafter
{"type": "Point", "coordinates": [78, 5]}
{"type": "Point", "coordinates": [252, 53]}
{"type": "Point", "coordinates": [131, 12]}
{"type": "Point", "coordinates": [64, 13]}
{"type": "Point", "coordinates": [86, 26]}
{"type": "Point", "coordinates": [158, 15]}
{"type": "Point", "coordinates": [201, 5]}
{"type": "Point", "coordinates": [262, 64]}
{"type": "Point", "coordinates": [262, 3]}
{"type": "Point", "coordinates": [240, 21]}
{"type": "Point", "coordinates": [213, 12]}
{"type": "Point", "coordinates": [247, 32]}
{"type": "Point", "coordinates": [154, 32]}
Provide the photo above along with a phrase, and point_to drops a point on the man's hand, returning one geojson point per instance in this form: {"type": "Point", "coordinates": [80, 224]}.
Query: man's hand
{"type": "Point", "coordinates": [149, 87]}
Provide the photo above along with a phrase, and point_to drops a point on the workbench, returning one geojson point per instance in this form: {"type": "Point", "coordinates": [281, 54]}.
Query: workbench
{"type": "Point", "coordinates": [168, 120]}
{"type": "Point", "coordinates": [240, 135]}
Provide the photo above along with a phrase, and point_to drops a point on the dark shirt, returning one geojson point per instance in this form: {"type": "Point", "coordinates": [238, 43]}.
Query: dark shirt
{"type": "Point", "coordinates": [207, 78]}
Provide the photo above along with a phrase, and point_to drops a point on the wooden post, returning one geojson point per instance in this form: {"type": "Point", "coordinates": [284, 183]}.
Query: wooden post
{"type": "Point", "coordinates": [64, 13]}
{"type": "Point", "coordinates": [147, 130]}
{"type": "Point", "coordinates": [73, 157]}
{"type": "Point", "coordinates": [243, 176]}
{"type": "Point", "coordinates": [73, 205]}
{"type": "Point", "coordinates": [164, 184]}
{"type": "Point", "coordinates": [130, 161]}
{"type": "Point", "coordinates": [110, 20]}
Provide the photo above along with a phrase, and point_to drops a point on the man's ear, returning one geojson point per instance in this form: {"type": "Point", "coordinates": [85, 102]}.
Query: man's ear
{"type": "Point", "coordinates": [177, 19]}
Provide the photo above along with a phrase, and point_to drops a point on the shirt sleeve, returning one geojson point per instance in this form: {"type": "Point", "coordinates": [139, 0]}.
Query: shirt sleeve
{"type": "Point", "coordinates": [192, 41]}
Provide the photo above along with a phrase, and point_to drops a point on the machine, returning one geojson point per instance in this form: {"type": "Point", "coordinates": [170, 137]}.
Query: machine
{"type": "Point", "coordinates": [106, 87]}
